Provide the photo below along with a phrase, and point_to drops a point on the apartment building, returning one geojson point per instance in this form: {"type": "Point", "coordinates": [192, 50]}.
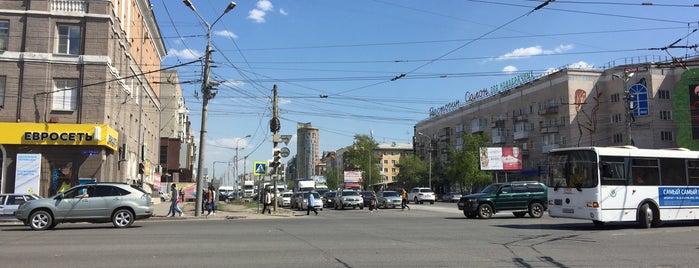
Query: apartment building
{"type": "Point", "coordinates": [646, 105]}
{"type": "Point", "coordinates": [307, 150]}
{"type": "Point", "coordinates": [79, 100]}
{"type": "Point", "coordinates": [177, 150]}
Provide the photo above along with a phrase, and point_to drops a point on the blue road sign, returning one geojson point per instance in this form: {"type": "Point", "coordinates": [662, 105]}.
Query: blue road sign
{"type": "Point", "coordinates": [260, 168]}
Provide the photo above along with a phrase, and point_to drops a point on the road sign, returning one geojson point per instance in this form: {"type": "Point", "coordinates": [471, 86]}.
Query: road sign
{"type": "Point", "coordinates": [284, 151]}
{"type": "Point", "coordinates": [260, 168]}
{"type": "Point", "coordinates": [285, 139]}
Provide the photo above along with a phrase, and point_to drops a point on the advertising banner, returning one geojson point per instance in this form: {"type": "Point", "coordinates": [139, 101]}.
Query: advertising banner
{"type": "Point", "coordinates": [500, 158]}
{"type": "Point", "coordinates": [353, 176]}
{"type": "Point", "coordinates": [27, 173]}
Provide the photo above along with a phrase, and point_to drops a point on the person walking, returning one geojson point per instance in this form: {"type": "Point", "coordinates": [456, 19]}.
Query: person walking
{"type": "Point", "coordinates": [404, 197]}
{"type": "Point", "coordinates": [209, 201]}
{"type": "Point", "coordinates": [173, 202]}
{"type": "Point", "coordinates": [311, 201]}
{"type": "Point", "coordinates": [267, 202]}
{"type": "Point", "coordinates": [373, 202]}
{"type": "Point", "coordinates": [182, 195]}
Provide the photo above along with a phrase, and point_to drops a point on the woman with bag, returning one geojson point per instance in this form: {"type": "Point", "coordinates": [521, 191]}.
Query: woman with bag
{"type": "Point", "coordinates": [209, 201]}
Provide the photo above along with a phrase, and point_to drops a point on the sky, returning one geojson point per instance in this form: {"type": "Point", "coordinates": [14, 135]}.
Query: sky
{"type": "Point", "coordinates": [376, 67]}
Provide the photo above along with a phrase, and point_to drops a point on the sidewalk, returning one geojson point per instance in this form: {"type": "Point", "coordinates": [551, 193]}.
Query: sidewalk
{"type": "Point", "coordinates": [225, 211]}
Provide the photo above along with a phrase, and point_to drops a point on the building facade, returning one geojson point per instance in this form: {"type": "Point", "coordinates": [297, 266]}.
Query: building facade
{"type": "Point", "coordinates": [389, 155]}
{"type": "Point", "coordinates": [177, 148]}
{"type": "Point", "coordinates": [307, 150]}
{"type": "Point", "coordinates": [646, 105]}
{"type": "Point", "coordinates": [77, 87]}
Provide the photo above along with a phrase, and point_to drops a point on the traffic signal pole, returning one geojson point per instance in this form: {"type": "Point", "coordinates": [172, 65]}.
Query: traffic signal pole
{"type": "Point", "coordinates": [274, 127]}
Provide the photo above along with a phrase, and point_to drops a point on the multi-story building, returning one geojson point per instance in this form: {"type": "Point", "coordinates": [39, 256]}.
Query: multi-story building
{"type": "Point", "coordinates": [307, 150]}
{"type": "Point", "coordinates": [646, 105]}
{"type": "Point", "coordinates": [78, 98]}
{"type": "Point", "coordinates": [389, 155]}
{"type": "Point", "coordinates": [176, 139]}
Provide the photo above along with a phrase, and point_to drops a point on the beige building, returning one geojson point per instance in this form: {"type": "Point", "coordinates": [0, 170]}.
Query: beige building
{"type": "Point", "coordinates": [307, 150]}
{"type": "Point", "coordinates": [569, 107]}
{"type": "Point", "coordinates": [389, 155]}
{"type": "Point", "coordinates": [77, 89]}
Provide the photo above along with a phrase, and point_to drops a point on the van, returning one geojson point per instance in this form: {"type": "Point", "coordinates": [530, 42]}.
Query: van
{"type": "Point", "coordinates": [226, 193]}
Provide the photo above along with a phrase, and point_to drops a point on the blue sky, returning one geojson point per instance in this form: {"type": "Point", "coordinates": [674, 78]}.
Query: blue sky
{"type": "Point", "coordinates": [351, 51]}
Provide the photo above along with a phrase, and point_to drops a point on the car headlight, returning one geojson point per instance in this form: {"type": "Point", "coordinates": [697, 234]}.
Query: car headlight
{"type": "Point", "coordinates": [472, 200]}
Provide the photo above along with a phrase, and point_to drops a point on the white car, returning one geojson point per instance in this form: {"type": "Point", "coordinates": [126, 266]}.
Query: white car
{"type": "Point", "coordinates": [420, 195]}
{"type": "Point", "coordinates": [317, 201]}
{"type": "Point", "coordinates": [285, 200]}
{"type": "Point", "coordinates": [10, 202]}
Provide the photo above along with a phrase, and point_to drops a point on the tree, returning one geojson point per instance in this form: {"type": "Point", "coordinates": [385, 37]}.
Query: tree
{"type": "Point", "coordinates": [412, 171]}
{"type": "Point", "coordinates": [361, 156]}
{"type": "Point", "coordinates": [463, 167]}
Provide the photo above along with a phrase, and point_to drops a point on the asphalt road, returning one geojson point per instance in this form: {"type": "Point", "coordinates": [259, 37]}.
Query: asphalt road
{"type": "Point", "coordinates": [425, 236]}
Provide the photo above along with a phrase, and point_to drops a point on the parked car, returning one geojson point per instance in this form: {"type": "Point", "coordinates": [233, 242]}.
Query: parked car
{"type": "Point", "coordinates": [329, 200]}
{"type": "Point", "coordinates": [285, 199]}
{"type": "Point", "coordinates": [10, 202]}
{"type": "Point", "coordinates": [420, 195]}
{"type": "Point", "coordinates": [317, 201]}
{"type": "Point", "coordinates": [296, 200]}
{"type": "Point", "coordinates": [451, 197]}
{"type": "Point", "coordinates": [388, 199]}
{"type": "Point", "coordinates": [520, 197]}
{"type": "Point", "coordinates": [348, 198]}
{"type": "Point", "coordinates": [119, 203]}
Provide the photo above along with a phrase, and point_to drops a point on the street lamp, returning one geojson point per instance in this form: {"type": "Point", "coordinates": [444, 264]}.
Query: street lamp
{"type": "Point", "coordinates": [206, 94]}
{"type": "Point", "coordinates": [236, 154]}
{"type": "Point", "coordinates": [430, 153]}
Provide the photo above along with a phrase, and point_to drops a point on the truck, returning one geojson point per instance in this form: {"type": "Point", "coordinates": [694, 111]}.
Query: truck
{"type": "Point", "coordinates": [302, 185]}
{"type": "Point", "coordinates": [248, 189]}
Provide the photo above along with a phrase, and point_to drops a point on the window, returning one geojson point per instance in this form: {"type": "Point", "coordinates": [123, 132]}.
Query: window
{"type": "Point", "coordinates": [665, 115]}
{"type": "Point", "coordinates": [664, 94]}
{"type": "Point", "coordinates": [639, 99]}
{"type": "Point", "coordinates": [3, 79]}
{"type": "Point", "coordinates": [666, 135]}
{"type": "Point", "coordinates": [617, 138]}
{"type": "Point", "coordinates": [393, 161]}
{"type": "Point", "coordinates": [69, 39]}
{"type": "Point", "coordinates": [4, 34]}
{"type": "Point", "coordinates": [616, 118]}
{"type": "Point", "coordinates": [614, 98]}
{"type": "Point", "coordinates": [65, 95]}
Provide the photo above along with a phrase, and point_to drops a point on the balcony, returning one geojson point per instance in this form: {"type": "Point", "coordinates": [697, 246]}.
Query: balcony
{"type": "Point", "coordinates": [521, 118]}
{"type": "Point", "coordinates": [520, 135]}
{"type": "Point", "coordinates": [548, 129]}
{"type": "Point", "coordinates": [69, 6]}
{"type": "Point", "coordinates": [549, 110]}
{"type": "Point", "coordinates": [499, 139]}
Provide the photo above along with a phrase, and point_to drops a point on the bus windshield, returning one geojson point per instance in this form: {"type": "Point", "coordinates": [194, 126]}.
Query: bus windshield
{"type": "Point", "coordinates": [573, 169]}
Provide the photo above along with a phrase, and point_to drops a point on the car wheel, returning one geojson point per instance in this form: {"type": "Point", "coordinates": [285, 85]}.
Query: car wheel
{"type": "Point", "coordinates": [536, 210]}
{"type": "Point", "coordinates": [40, 220]}
{"type": "Point", "coordinates": [519, 214]}
{"type": "Point", "coordinates": [361, 207]}
{"type": "Point", "coordinates": [485, 211]}
{"type": "Point", "coordinates": [122, 218]}
{"type": "Point", "coordinates": [598, 224]}
{"type": "Point", "coordinates": [431, 202]}
{"type": "Point", "coordinates": [645, 216]}
{"type": "Point", "coordinates": [415, 199]}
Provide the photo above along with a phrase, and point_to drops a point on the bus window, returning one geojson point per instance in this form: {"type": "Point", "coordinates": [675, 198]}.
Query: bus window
{"type": "Point", "coordinates": [645, 171]}
{"type": "Point", "coordinates": [693, 172]}
{"type": "Point", "coordinates": [672, 172]}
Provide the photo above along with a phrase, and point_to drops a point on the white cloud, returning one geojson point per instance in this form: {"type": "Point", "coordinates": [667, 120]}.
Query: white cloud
{"type": "Point", "coordinates": [526, 52]}
{"type": "Point", "coordinates": [185, 53]}
{"type": "Point", "coordinates": [258, 14]}
{"type": "Point", "coordinates": [509, 69]}
{"type": "Point", "coordinates": [283, 12]}
{"type": "Point", "coordinates": [225, 33]}
{"type": "Point", "coordinates": [581, 65]}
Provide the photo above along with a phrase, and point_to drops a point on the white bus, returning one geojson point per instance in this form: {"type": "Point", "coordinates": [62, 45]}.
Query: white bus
{"type": "Point", "coordinates": [623, 184]}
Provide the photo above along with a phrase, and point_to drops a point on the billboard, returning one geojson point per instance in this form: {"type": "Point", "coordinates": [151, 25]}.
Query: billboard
{"type": "Point", "coordinates": [353, 176]}
{"type": "Point", "coordinates": [500, 158]}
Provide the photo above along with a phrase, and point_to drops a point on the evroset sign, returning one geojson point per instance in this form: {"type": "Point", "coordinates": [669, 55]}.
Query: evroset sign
{"type": "Point", "coordinates": [59, 134]}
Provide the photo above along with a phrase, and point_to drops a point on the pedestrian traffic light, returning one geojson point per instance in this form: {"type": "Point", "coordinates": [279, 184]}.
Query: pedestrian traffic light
{"type": "Point", "coordinates": [141, 168]}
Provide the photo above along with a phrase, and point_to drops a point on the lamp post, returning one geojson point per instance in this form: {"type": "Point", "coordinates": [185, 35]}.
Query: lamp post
{"type": "Point", "coordinates": [236, 154]}
{"type": "Point", "coordinates": [206, 95]}
{"type": "Point", "coordinates": [429, 181]}
{"type": "Point", "coordinates": [627, 104]}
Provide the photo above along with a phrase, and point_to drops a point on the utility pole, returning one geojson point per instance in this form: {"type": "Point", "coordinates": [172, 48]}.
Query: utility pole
{"type": "Point", "coordinates": [274, 126]}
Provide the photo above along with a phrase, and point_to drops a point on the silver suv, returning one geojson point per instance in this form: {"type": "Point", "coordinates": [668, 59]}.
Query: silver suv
{"type": "Point", "coordinates": [348, 198]}
{"type": "Point", "coordinates": [118, 203]}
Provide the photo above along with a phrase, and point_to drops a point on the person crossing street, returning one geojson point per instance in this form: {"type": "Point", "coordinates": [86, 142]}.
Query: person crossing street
{"type": "Point", "coordinates": [311, 201]}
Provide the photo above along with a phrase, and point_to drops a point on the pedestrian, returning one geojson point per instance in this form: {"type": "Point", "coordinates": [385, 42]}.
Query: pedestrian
{"type": "Point", "coordinates": [267, 202]}
{"type": "Point", "coordinates": [209, 201]}
{"type": "Point", "coordinates": [173, 202]}
{"type": "Point", "coordinates": [182, 195]}
{"type": "Point", "coordinates": [373, 202]}
{"type": "Point", "coordinates": [311, 201]}
{"type": "Point", "coordinates": [404, 197]}
{"type": "Point", "coordinates": [214, 200]}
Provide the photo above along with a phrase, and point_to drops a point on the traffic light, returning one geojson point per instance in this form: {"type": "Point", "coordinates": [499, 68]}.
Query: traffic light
{"type": "Point", "coordinates": [141, 168]}
{"type": "Point", "coordinates": [276, 157]}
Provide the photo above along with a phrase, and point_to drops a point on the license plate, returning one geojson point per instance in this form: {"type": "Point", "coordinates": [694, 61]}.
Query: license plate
{"type": "Point", "coordinates": [568, 210]}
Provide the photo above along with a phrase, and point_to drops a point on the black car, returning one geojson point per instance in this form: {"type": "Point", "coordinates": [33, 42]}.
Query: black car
{"type": "Point", "coordinates": [367, 198]}
{"type": "Point", "coordinates": [329, 199]}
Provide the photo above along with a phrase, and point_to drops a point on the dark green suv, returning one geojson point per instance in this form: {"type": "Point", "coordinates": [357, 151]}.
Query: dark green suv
{"type": "Point", "coordinates": [520, 197]}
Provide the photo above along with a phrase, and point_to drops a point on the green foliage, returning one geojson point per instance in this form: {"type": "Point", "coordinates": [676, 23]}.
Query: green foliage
{"type": "Point", "coordinates": [333, 178]}
{"type": "Point", "coordinates": [412, 171]}
{"type": "Point", "coordinates": [463, 168]}
{"type": "Point", "coordinates": [361, 156]}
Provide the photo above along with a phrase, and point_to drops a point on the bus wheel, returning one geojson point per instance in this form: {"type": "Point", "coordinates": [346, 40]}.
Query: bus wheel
{"type": "Point", "coordinates": [598, 224]}
{"type": "Point", "coordinates": [645, 216]}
